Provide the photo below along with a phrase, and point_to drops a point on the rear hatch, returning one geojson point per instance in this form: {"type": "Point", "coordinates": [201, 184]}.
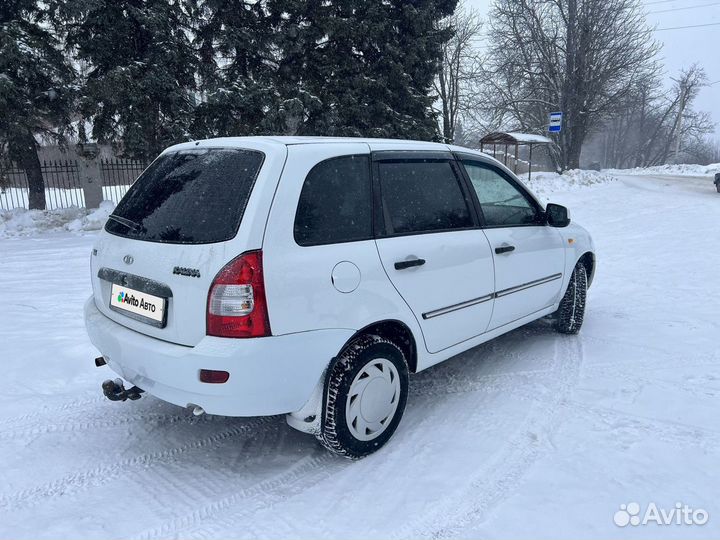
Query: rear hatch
{"type": "Point", "coordinates": [192, 211]}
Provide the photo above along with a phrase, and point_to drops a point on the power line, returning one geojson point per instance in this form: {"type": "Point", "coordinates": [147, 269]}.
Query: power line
{"type": "Point", "coordinates": [684, 8]}
{"type": "Point", "coordinates": [659, 2]}
{"type": "Point", "coordinates": [683, 27]}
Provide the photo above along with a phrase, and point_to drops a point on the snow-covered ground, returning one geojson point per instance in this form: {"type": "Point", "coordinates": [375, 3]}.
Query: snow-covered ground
{"type": "Point", "coordinates": [531, 435]}
{"type": "Point", "coordinates": [681, 169]}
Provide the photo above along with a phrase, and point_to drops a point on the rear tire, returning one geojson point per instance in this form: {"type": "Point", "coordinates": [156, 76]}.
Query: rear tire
{"type": "Point", "coordinates": [364, 398]}
{"type": "Point", "coordinates": [569, 316]}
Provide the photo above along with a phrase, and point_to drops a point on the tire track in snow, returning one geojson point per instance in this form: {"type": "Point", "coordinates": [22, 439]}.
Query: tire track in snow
{"type": "Point", "coordinates": [103, 420]}
{"type": "Point", "coordinates": [217, 517]}
{"type": "Point", "coordinates": [668, 430]}
{"type": "Point", "coordinates": [181, 489]}
{"type": "Point", "coordinates": [53, 410]}
{"type": "Point", "coordinates": [430, 385]}
{"type": "Point", "coordinates": [501, 475]}
{"type": "Point", "coordinates": [261, 495]}
{"type": "Point", "coordinates": [77, 481]}
{"type": "Point", "coordinates": [699, 361]}
{"type": "Point", "coordinates": [665, 430]}
{"type": "Point", "coordinates": [511, 467]}
{"type": "Point", "coordinates": [499, 382]}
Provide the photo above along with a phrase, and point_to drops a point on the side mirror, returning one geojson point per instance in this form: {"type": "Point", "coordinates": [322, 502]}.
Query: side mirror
{"type": "Point", "coordinates": [557, 215]}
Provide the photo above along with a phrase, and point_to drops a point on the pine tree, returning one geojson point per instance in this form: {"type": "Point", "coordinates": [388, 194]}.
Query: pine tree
{"type": "Point", "coordinates": [234, 42]}
{"type": "Point", "coordinates": [36, 87]}
{"type": "Point", "coordinates": [359, 68]}
{"type": "Point", "coordinates": [141, 82]}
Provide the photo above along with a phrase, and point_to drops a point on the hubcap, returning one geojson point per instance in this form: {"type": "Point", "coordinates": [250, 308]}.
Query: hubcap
{"type": "Point", "coordinates": [373, 399]}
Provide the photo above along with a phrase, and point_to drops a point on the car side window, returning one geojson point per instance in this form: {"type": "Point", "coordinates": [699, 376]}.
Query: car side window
{"type": "Point", "coordinates": [335, 203]}
{"type": "Point", "coordinates": [502, 203]}
{"type": "Point", "coordinates": [422, 196]}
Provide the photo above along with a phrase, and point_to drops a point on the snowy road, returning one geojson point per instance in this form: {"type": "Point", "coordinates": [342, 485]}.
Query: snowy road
{"type": "Point", "coordinates": [534, 434]}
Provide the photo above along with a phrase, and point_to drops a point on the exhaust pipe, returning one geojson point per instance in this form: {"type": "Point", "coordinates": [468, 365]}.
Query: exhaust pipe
{"type": "Point", "coordinates": [115, 391]}
{"type": "Point", "coordinates": [197, 410]}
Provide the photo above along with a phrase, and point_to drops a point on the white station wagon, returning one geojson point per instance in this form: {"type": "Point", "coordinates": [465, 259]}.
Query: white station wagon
{"type": "Point", "coordinates": [311, 276]}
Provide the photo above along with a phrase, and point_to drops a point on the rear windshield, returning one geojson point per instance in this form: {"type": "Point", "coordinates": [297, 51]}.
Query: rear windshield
{"type": "Point", "coordinates": [189, 197]}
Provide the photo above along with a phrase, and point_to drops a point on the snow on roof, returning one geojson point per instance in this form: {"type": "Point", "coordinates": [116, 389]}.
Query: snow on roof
{"type": "Point", "coordinates": [290, 140]}
{"type": "Point", "coordinates": [274, 143]}
{"type": "Point", "coordinates": [514, 137]}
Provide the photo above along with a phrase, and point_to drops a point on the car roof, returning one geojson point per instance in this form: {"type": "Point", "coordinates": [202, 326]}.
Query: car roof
{"type": "Point", "coordinates": [290, 140]}
{"type": "Point", "coordinates": [275, 143]}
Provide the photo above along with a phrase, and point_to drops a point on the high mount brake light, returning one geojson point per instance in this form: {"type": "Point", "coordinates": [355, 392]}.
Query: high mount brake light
{"type": "Point", "coordinates": [236, 306]}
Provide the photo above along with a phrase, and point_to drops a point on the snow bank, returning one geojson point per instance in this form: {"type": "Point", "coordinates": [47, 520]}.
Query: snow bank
{"type": "Point", "coordinates": [21, 222]}
{"type": "Point", "coordinates": [681, 169]}
{"type": "Point", "coordinates": [545, 184]}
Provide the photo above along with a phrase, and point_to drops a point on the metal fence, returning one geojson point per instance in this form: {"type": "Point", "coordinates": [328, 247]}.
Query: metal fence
{"type": "Point", "coordinates": [118, 175]}
{"type": "Point", "coordinates": [63, 188]}
{"type": "Point", "coordinates": [62, 185]}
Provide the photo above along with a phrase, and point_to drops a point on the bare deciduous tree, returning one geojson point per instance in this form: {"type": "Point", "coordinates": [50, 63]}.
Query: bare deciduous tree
{"type": "Point", "coordinates": [651, 122]}
{"type": "Point", "coordinates": [460, 68]}
{"type": "Point", "coordinates": [581, 57]}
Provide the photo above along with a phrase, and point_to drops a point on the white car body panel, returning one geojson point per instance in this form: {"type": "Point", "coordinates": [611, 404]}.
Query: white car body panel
{"type": "Point", "coordinates": [539, 255]}
{"type": "Point", "coordinates": [268, 376]}
{"type": "Point", "coordinates": [319, 296]}
{"type": "Point", "coordinates": [458, 271]}
{"type": "Point", "coordinates": [299, 287]}
{"type": "Point", "coordinates": [156, 261]}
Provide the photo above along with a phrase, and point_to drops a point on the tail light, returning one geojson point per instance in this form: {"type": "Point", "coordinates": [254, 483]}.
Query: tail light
{"type": "Point", "coordinates": [237, 307]}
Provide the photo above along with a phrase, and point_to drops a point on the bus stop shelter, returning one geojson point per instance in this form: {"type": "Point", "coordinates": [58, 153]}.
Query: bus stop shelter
{"type": "Point", "coordinates": [514, 139]}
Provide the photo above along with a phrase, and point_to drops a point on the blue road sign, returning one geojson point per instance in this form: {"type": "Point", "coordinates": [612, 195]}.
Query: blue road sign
{"type": "Point", "coordinates": [555, 125]}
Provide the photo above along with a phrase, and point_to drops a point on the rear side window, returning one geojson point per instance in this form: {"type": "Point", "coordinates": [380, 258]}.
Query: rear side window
{"type": "Point", "coordinates": [422, 196]}
{"type": "Point", "coordinates": [335, 203]}
{"type": "Point", "coordinates": [189, 197]}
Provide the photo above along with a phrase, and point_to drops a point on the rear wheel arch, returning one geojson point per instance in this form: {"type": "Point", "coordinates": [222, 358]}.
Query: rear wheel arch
{"type": "Point", "coordinates": [397, 332]}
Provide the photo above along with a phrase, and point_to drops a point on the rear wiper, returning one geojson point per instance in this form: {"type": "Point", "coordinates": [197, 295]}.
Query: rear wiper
{"type": "Point", "coordinates": [129, 223]}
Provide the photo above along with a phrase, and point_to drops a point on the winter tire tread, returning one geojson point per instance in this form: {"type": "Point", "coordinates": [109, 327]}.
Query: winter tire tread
{"type": "Point", "coordinates": [331, 435]}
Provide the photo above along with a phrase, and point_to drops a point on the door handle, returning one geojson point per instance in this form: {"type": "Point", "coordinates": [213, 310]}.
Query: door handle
{"type": "Point", "coordinates": [402, 265]}
{"type": "Point", "coordinates": [504, 249]}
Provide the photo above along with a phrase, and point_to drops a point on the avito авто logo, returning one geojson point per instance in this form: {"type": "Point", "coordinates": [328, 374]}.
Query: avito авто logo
{"type": "Point", "coordinates": [124, 298]}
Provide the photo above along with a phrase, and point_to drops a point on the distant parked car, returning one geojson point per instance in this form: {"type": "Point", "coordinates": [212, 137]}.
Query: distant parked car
{"type": "Point", "coordinates": [310, 276]}
{"type": "Point", "coordinates": [717, 182]}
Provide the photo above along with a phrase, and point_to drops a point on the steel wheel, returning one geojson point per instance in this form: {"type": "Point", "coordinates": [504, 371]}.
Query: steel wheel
{"type": "Point", "coordinates": [364, 398]}
{"type": "Point", "coordinates": [373, 399]}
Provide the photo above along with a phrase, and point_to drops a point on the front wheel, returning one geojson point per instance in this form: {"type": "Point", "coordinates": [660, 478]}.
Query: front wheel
{"type": "Point", "coordinates": [364, 399]}
{"type": "Point", "coordinates": [570, 314]}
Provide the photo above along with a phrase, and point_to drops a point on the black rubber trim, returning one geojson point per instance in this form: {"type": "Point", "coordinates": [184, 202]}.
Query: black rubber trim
{"type": "Point", "coordinates": [455, 307]}
{"type": "Point", "coordinates": [491, 296]}
{"type": "Point", "coordinates": [527, 285]}
{"type": "Point", "coordinates": [412, 155]}
{"type": "Point", "coordinates": [135, 282]}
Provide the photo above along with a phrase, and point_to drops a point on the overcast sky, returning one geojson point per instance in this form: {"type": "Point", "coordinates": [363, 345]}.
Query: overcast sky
{"type": "Point", "coordinates": [682, 47]}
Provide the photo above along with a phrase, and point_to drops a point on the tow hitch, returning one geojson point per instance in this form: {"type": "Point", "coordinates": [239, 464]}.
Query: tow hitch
{"type": "Point", "coordinates": [116, 391]}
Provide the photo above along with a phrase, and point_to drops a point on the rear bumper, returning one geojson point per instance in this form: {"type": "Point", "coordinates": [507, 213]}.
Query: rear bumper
{"type": "Point", "coordinates": [268, 376]}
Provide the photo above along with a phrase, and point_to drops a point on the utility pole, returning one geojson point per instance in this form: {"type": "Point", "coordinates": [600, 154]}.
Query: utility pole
{"type": "Point", "coordinates": [683, 101]}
